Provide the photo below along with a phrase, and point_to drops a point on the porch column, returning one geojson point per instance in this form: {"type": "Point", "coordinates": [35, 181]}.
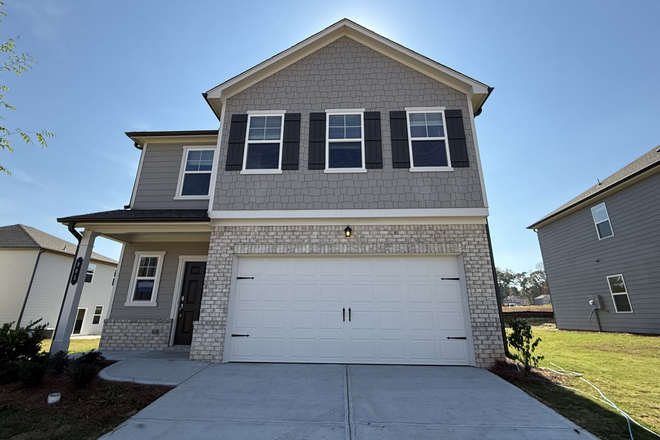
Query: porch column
{"type": "Point", "coordinates": [74, 290]}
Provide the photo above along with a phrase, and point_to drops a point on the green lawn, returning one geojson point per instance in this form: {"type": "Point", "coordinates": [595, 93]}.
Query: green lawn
{"type": "Point", "coordinates": [625, 367]}
{"type": "Point", "coordinates": [76, 345]}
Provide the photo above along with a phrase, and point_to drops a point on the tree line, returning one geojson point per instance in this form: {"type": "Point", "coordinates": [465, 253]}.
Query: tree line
{"type": "Point", "coordinates": [528, 285]}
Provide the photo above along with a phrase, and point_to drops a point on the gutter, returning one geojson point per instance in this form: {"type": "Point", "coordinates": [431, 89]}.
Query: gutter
{"type": "Point", "coordinates": [71, 226]}
{"type": "Point", "coordinates": [481, 107]}
{"type": "Point", "coordinates": [27, 294]}
{"type": "Point", "coordinates": [497, 291]}
{"type": "Point", "coordinates": [205, 95]}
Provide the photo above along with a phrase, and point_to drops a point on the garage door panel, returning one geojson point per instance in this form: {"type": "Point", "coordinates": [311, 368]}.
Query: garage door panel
{"type": "Point", "coordinates": [401, 311]}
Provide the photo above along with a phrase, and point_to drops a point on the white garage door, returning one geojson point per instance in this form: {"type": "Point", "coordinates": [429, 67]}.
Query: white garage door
{"type": "Point", "coordinates": [375, 310]}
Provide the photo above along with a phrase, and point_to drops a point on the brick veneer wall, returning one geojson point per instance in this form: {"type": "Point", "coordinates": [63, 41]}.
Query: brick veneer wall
{"type": "Point", "coordinates": [134, 334]}
{"type": "Point", "coordinates": [470, 241]}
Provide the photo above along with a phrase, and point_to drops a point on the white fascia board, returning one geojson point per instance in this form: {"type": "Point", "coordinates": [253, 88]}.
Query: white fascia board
{"type": "Point", "coordinates": [350, 213]}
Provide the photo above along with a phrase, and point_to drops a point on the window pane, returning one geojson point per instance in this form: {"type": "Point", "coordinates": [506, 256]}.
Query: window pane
{"type": "Point", "coordinates": [272, 134]}
{"type": "Point", "coordinates": [433, 118]}
{"type": "Point", "coordinates": [345, 127]}
{"type": "Point", "coordinates": [604, 229]}
{"type": "Point", "coordinates": [96, 319]}
{"type": "Point", "coordinates": [207, 155]}
{"type": "Point", "coordinates": [418, 131]}
{"type": "Point", "coordinates": [274, 122]}
{"type": "Point", "coordinates": [199, 160]}
{"type": "Point", "coordinates": [429, 154]}
{"type": "Point", "coordinates": [345, 155]}
{"type": "Point", "coordinates": [622, 303]}
{"type": "Point", "coordinates": [353, 133]}
{"type": "Point", "coordinates": [257, 122]}
{"type": "Point", "coordinates": [599, 212]}
{"type": "Point", "coordinates": [263, 157]}
{"type": "Point", "coordinates": [256, 134]}
{"type": "Point", "coordinates": [417, 119]}
{"type": "Point", "coordinates": [336, 120]}
{"type": "Point", "coordinates": [196, 184]}
{"type": "Point", "coordinates": [98, 310]}
{"type": "Point", "coordinates": [143, 290]}
{"type": "Point", "coordinates": [353, 120]}
{"type": "Point", "coordinates": [336, 132]}
{"type": "Point", "coordinates": [89, 277]}
{"type": "Point", "coordinates": [435, 130]}
{"type": "Point", "coordinates": [616, 284]}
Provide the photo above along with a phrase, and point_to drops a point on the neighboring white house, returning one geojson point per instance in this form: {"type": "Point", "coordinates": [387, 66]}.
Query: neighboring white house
{"type": "Point", "coordinates": [541, 300]}
{"type": "Point", "coordinates": [513, 301]}
{"type": "Point", "coordinates": [34, 270]}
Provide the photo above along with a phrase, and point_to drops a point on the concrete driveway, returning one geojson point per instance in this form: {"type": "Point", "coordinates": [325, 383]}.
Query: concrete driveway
{"type": "Point", "coordinates": [332, 402]}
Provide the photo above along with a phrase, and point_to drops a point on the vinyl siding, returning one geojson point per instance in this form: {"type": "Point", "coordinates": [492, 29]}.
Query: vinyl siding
{"type": "Point", "coordinates": [156, 187]}
{"type": "Point", "coordinates": [16, 266]}
{"type": "Point", "coordinates": [571, 248]}
{"type": "Point", "coordinates": [347, 75]}
{"type": "Point", "coordinates": [167, 279]}
{"type": "Point", "coordinates": [50, 283]}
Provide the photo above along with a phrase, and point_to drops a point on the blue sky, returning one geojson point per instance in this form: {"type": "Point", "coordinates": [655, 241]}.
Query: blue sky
{"type": "Point", "coordinates": [576, 91]}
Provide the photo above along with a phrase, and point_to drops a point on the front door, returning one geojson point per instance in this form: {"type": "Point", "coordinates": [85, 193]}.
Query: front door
{"type": "Point", "coordinates": [189, 302]}
{"type": "Point", "coordinates": [80, 318]}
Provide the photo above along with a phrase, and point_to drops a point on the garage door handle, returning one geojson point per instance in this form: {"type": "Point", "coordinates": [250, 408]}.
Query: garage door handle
{"type": "Point", "coordinates": [239, 336]}
{"type": "Point", "coordinates": [244, 278]}
{"type": "Point", "coordinates": [349, 314]}
{"type": "Point", "coordinates": [456, 337]}
{"type": "Point", "coordinates": [343, 314]}
{"type": "Point", "coordinates": [450, 279]}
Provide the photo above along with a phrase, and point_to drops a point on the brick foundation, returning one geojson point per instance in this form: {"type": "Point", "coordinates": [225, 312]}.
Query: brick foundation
{"type": "Point", "coordinates": [135, 334]}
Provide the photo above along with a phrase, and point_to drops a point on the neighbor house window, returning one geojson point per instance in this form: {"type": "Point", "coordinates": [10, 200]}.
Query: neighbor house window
{"type": "Point", "coordinates": [619, 294]}
{"type": "Point", "coordinates": [427, 139]}
{"type": "Point", "coordinates": [195, 175]}
{"type": "Point", "coordinates": [602, 221]}
{"type": "Point", "coordinates": [345, 141]}
{"type": "Point", "coordinates": [145, 278]}
{"type": "Point", "coordinates": [98, 311]}
{"type": "Point", "coordinates": [263, 144]}
{"type": "Point", "coordinates": [89, 276]}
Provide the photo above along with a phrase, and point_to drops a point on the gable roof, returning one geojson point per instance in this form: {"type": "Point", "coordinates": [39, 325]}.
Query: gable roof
{"type": "Point", "coordinates": [477, 90]}
{"type": "Point", "coordinates": [644, 163]}
{"type": "Point", "coordinates": [21, 236]}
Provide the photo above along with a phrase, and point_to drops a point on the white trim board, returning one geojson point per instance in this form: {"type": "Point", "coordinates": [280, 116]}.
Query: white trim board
{"type": "Point", "coordinates": [351, 213]}
{"type": "Point", "coordinates": [143, 152]}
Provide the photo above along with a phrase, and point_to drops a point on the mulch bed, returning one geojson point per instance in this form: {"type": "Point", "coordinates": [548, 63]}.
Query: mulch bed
{"type": "Point", "coordinates": [80, 414]}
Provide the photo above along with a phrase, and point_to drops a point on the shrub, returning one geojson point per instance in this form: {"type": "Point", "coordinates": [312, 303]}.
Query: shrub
{"type": "Point", "coordinates": [520, 339]}
{"type": "Point", "coordinates": [84, 369]}
{"type": "Point", "coordinates": [8, 371]}
{"type": "Point", "coordinates": [57, 362]}
{"type": "Point", "coordinates": [22, 343]}
{"type": "Point", "coordinates": [31, 372]}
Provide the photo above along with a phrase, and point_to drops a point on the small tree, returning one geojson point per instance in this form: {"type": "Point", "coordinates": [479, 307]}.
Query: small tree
{"type": "Point", "coordinates": [520, 340]}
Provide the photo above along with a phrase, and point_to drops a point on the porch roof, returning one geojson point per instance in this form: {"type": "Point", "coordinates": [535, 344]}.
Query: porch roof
{"type": "Point", "coordinates": [140, 215]}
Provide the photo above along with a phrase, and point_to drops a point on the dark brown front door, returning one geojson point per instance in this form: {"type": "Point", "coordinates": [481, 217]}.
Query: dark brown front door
{"type": "Point", "coordinates": [189, 302]}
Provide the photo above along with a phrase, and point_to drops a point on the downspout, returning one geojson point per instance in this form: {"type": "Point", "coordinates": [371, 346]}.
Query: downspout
{"type": "Point", "coordinates": [72, 228]}
{"type": "Point", "coordinates": [27, 294]}
{"type": "Point", "coordinates": [497, 291]}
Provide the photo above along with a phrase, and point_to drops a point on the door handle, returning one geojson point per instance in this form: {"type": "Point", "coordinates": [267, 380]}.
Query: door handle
{"type": "Point", "coordinates": [343, 314]}
{"type": "Point", "coordinates": [349, 314]}
{"type": "Point", "coordinates": [457, 337]}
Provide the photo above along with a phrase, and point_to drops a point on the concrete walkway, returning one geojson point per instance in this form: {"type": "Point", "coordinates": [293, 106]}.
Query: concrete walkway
{"type": "Point", "coordinates": [150, 367]}
{"type": "Point", "coordinates": [333, 402]}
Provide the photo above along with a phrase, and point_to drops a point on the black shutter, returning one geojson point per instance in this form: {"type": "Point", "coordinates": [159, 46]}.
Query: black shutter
{"type": "Point", "coordinates": [399, 130]}
{"type": "Point", "coordinates": [373, 144]}
{"type": "Point", "coordinates": [236, 142]}
{"type": "Point", "coordinates": [316, 159]}
{"type": "Point", "coordinates": [291, 141]}
{"type": "Point", "coordinates": [456, 136]}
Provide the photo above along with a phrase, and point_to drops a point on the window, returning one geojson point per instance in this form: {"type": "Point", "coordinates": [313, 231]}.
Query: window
{"type": "Point", "coordinates": [195, 175]}
{"type": "Point", "coordinates": [98, 311]}
{"type": "Point", "coordinates": [602, 221]}
{"type": "Point", "coordinates": [345, 142]}
{"type": "Point", "coordinates": [263, 144]}
{"type": "Point", "coordinates": [619, 294]}
{"type": "Point", "coordinates": [145, 279]}
{"type": "Point", "coordinates": [429, 150]}
{"type": "Point", "coordinates": [89, 276]}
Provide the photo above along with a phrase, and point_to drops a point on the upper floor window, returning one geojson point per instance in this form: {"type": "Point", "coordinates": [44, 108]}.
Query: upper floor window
{"type": "Point", "coordinates": [196, 170]}
{"type": "Point", "coordinates": [602, 221]}
{"type": "Point", "coordinates": [89, 276]}
{"type": "Point", "coordinates": [345, 141]}
{"type": "Point", "coordinates": [427, 137]}
{"type": "Point", "coordinates": [619, 294]}
{"type": "Point", "coordinates": [263, 144]}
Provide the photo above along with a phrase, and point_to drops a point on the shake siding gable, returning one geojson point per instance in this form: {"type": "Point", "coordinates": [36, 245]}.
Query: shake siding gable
{"type": "Point", "coordinates": [348, 75]}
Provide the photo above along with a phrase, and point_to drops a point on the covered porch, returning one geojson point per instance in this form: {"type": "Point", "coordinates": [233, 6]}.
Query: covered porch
{"type": "Point", "coordinates": [157, 292]}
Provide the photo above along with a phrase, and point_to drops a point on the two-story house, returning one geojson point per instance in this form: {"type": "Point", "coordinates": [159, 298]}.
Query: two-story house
{"type": "Point", "coordinates": [601, 252]}
{"type": "Point", "coordinates": [337, 215]}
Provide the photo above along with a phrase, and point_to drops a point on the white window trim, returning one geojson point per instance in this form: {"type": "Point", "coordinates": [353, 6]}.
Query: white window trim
{"type": "Point", "coordinates": [355, 111]}
{"type": "Point", "coordinates": [609, 286]}
{"type": "Point", "coordinates": [593, 216]}
{"type": "Point", "coordinates": [413, 110]}
{"type": "Point", "coordinates": [182, 172]}
{"type": "Point", "coordinates": [154, 294]}
{"type": "Point", "coordinates": [261, 113]}
{"type": "Point", "coordinates": [100, 315]}
{"type": "Point", "coordinates": [93, 273]}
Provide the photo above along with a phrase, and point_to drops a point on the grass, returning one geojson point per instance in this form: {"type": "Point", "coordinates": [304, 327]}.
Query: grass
{"type": "Point", "coordinates": [76, 345]}
{"type": "Point", "coordinates": [81, 413]}
{"type": "Point", "coordinates": [624, 367]}
{"type": "Point", "coordinates": [542, 308]}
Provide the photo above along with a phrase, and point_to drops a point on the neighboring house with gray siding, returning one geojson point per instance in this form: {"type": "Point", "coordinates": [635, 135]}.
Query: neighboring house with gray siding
{"type": "Point", "coordinates": [601, 252]}
{"type": "Point", "coordinates": [338, 214]}
{"type": "Point", "coordinates": [34, 268]}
